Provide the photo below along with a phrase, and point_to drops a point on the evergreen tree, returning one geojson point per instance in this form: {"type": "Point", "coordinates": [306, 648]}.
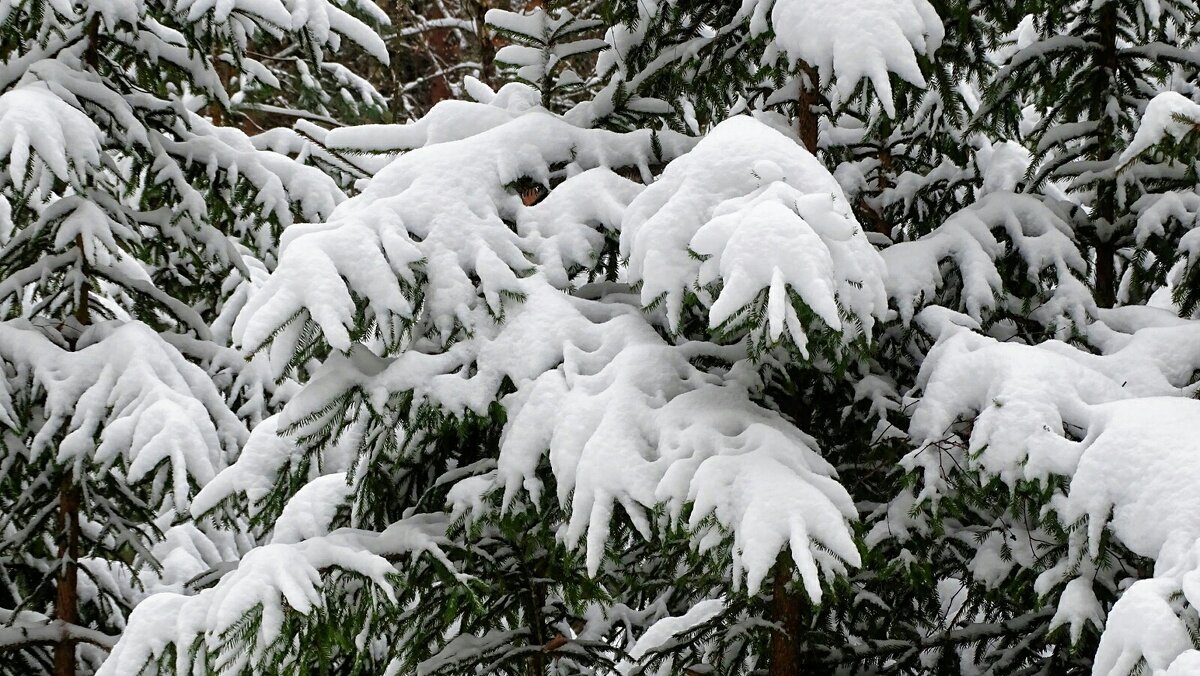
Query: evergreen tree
{"type": "Point", "coordinates": [785, 342]}
{"type": "Point", "coordinates": [129, 219]}
{"type": "Point", "coordinates": [1088, 70]}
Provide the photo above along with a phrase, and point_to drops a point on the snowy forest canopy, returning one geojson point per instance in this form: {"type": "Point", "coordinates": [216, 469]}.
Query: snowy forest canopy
{"type": "Point", "coordinates": [564, 337]}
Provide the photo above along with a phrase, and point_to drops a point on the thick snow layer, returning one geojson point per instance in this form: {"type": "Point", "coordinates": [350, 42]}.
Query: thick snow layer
{"type": "Point", "coordinates": [274, 579]}
{"type": "Point", "coordinates": [968, 239]}
{"type": "Point", "coordinates": [1027, 401]}
{"type": "Point", "coordinates": [1153, 619]}
{"type": "Point", "coordinates": [623, 417]}
{"type": "Point", "coordinates": [126, 398]}
{"type": "Point", "coordinates": [765, 216]}
{"type": "Point", "coordinates": [626, 420]}
{"type": "Point", "coordinates": [1120, 426]}
{"type": "Point", "coordinates": [849, 41]}
{"type": "Point", "coordinates": [258, 464]}
{"type": "Point", "coordinates": [402, 223]}
{"type": "Point", "coordinates": [1170, 114]}
{"type": "Point", "coordinates": [311, 510]}
{"type": "Point", "coordinates": [449, 120]}
{"type": "Point", "coordinates": [1144, 625]}
{"type": "Point", "coordinates": [35, 122]}
{"type": "Point", "coordinates": [1137, 474]}
{"type": "Point", "coordinates": [1077, 607]}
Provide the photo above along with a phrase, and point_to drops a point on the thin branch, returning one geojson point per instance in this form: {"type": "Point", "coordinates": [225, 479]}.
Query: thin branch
{"type": "Point", "coordinates": [18, 629]}
{"type": "Point", "coordinates": [969, 634]}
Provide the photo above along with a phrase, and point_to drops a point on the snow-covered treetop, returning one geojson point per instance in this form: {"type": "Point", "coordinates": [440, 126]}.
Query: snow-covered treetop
{"type": "Point", "coordinates": [849, 42]}
{"type": "Point", "coordinates": [755, 220]}
{"type": "Point", "coordinates": [493, 301]}
{"type": "Point", "coordinates": [706, 45]}
{"type": "Point", "coordinates": [543, 43]}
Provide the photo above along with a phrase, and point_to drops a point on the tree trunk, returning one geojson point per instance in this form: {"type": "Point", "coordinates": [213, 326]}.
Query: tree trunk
{"type": "Point", "coordinates": [66, 582]}
{"type": "Point", "coordinates": [66, 603]}
{"type": "Point", "coordinates": [487, 46]}
{"type": "Point", "coordinates": [787, 610]}
{"type": "Point", "coordinates": [787, 606]}
{"type": "Point", "coordinates": [808, 103]}
{"type": "Point", "coordinates": [1105, 213]}
{"type": "Point", "coordinates": [443, 45]}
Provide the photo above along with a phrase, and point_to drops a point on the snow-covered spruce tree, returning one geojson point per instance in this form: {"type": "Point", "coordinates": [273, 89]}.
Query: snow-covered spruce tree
{"type": "Point", "coordinates": [127, 223]}
{"type": "Point", "coordinates": [493, 356]}
{"type": "Point", "coordinates": [1008, 261]}
{"type": "Point", "coordinates": [489, 376]}
{"type": "Point", "coordinates": [899, 145]}
{"type": "Point", "coordinates": [1087, 70]}
{"type": "Point", "coordinates": [544, 42]}
{"type": "Point", "coordinates": [697, 61]}
{"type": "Point", "coordinates": [854, 130]}
{"type": "Point", "coordinates": [443, 398]}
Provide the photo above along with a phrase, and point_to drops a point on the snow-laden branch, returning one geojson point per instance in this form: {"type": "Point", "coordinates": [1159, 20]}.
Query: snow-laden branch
{"type": "Point", "coordinates": [973, 633]}
{"type": "Point", "coordinates": [19, 629]}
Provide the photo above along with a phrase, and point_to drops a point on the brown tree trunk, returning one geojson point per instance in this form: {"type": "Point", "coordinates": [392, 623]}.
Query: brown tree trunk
{"type": "Point", "coordinates": [442, 45]}
{"type": "Point", "coordinates": [873, 215]}
{"type": "Point", "coordinates": [66, 582]}
{"type": "Point", "coordinates": [1105, 213]}
{"type": "Point", "coordinates": [808, 103]}
{"type": "Point", "coordinates": [66, 603]}
{"type": "Point", "coordinates": [487, 45]}
{"type": "Point", "coordinates": [787, 610]}
{"type": "Point", "coordinates": [787, 605]}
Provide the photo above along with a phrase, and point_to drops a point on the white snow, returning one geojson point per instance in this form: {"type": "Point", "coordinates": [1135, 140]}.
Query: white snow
{"type": "Point", "coordinates": [270, 580]}
{"type": "Point", "coordinates": [34, 122]}
{"type": "Point", "coordinates": [767, 217]}
{"type": "Point", "coordinates": [126, 398]}
{"type": "Point", "coordinates": [1039, 237]}
{"type": "Point", "coordinates": [402, 223]}
{"type": "Point", "coordinates": [662, 631]}
{"type": "Point", "coordinates": [1170, 114]}
{"type": "Point", "coordinates": [847, 42]}
{"type": "Point", "coordinates": [1120, 426]}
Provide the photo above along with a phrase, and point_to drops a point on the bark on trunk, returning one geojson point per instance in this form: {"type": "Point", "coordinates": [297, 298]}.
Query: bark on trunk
{"type": "Point", "coordinates": [66, 603]}
{"type": "Point", "coordinates": [807, 104]}
{"type": "Point", "coordinates": [787, 610]}
{"type": "Point", "coordinates": [787, 606]}
{"type": "Point", "coordinates": [1106, 195]}
{"type": "Point", "coordinates": [66, 591]}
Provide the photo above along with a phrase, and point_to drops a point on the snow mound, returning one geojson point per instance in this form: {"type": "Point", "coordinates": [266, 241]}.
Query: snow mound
{"type": "Point", "coordinates": [1120, 427]}
{"type": "Point", "coordinates": [126, 398]}
{"type": "Point", "coordinates": [402, 226]}
{"type": "Point", "coordinates": [751, 210]}
{"type": "Point", "coordinates": [847, 42]}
